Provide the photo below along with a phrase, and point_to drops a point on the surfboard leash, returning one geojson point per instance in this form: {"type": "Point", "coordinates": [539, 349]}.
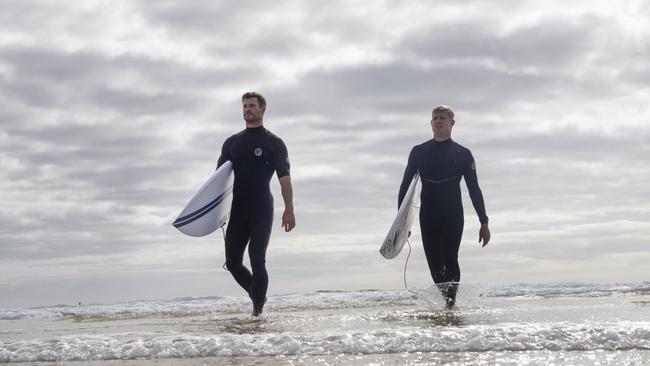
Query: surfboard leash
{"type": "Point", "coordinates": [224, 240]}
{"type": "Point", "coordinates": [405, 265]}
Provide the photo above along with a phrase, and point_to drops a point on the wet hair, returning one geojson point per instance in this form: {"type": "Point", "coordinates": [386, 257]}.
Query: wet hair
{"type": "Point", "coordinates": [444, 109]}
{"type": "Point", "coordinates": [258, 96]}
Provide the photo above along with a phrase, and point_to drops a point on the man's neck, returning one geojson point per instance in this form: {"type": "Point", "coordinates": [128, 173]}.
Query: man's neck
{"type": "Point", "coordinates": [254, 125]}
{"type": "Point", "coordinates": [441, 138]}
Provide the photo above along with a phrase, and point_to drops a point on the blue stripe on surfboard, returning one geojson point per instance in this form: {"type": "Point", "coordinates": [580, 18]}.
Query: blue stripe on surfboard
{"type": "Point", "coordinates": [187, 219]}
{"type": "Point", "coordinates": [182, 221]}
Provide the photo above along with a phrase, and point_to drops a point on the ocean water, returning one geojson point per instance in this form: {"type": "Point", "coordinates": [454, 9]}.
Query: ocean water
{"type": "Point", "coordinates": [551, 324]}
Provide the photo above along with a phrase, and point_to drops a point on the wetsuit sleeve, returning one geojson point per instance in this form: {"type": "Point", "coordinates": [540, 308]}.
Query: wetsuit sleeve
{"type": "Point", "coordinates": [225, 152]}
{"type": "Point", "coordinates": [281, 159]}
{"type": "Point", "coordinates": [409, 172]}
{"type": "Point", "coordinates": [475, 193]}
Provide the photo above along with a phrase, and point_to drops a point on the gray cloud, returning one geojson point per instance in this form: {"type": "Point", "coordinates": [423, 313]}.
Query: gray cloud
{"type": "Point", "coordinates": [51, 78]}
{"type": "Point", "coordinates": [107, 126]}
{"type": "Point", "coordinates": [203, 18]}
{"type": "Point", "coordinates": [549, 43]}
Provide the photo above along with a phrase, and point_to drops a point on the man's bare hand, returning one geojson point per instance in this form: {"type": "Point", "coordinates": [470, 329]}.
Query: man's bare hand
{"type": "Point", "coordinates": [288, 220]}
{"type": "Point", "coordinates": [484, 234]}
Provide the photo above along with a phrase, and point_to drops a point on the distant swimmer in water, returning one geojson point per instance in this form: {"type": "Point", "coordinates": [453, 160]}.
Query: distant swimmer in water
{"type": "Point", "coordinates": [256, 154]}
{"type": "Point", "coordinates": [441, 163]}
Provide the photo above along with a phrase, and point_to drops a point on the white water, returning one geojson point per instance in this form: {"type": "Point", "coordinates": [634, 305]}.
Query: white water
{"type": "Point", "coordinates": [565, 318]}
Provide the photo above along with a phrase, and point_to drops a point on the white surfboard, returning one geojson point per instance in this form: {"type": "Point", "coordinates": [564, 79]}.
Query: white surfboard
{"type": "Point", "coordinates": [209, 209]}
{"type": "Point", "coordinates": [399, 231]}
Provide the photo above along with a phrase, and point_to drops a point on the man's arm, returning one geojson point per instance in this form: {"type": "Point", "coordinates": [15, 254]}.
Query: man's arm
{"type": "Point", "coordinates": [471, 180]}
{"type": "Point", "coordinates": [288, 218]}
{"type": "Point", "coordinates": [225, 154]}
{"type": "Point", "coordinates": [409, 172]}
{"type": "Point", "coordinates": [283, 169]}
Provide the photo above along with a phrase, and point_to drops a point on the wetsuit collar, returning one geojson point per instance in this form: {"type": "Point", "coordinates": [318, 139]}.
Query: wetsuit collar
{"type": "Point", "coordinates": [255, 130]}
{"type": "Point", "coordinates": [447, 141]}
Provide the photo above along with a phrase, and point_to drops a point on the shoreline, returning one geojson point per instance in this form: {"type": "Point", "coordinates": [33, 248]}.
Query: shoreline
{"type": "Point", "coordinates": [514, 358]}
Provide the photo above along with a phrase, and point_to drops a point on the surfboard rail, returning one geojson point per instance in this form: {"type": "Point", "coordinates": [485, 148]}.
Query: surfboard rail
{"type": "Point", "coordinates": [399, 230]}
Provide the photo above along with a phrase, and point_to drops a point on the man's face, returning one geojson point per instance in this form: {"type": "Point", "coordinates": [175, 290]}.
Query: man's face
{"type": "Point", "coordinates": [441, 123]}
{"type": "Point", "coordinates": [252, 111]}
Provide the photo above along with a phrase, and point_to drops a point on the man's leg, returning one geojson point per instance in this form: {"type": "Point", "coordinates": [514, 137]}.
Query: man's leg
{"type": "Point", "coordinates": [260, 236]}
{"type": "Point", "coordinates": [432, 241]}
{"type": "Point", "coordinates": [453, 236]}
{"type": "Point", "coordinates": [237, 236]}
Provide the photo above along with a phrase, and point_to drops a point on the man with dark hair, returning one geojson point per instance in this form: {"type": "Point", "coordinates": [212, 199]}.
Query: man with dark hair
{"type": "Point", "coordinates": [255, 153]}
{"type": "Point", "coordinates": [442, 163]}
{"type": "Point", "coordinates": [260, 98]}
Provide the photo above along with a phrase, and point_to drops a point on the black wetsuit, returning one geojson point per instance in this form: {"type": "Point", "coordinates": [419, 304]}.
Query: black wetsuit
{"type": "Point", "coordinates": [255, 153]}
{"type": "Point", "coordinates": [441, 166]}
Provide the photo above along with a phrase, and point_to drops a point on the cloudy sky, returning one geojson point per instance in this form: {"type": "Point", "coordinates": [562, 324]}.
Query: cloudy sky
{"type": "Point", "coordinates": [113, 113]}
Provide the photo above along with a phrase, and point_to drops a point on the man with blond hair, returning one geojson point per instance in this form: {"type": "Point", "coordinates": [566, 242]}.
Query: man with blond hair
{"type": "Point", "coordinates": [441, 163]}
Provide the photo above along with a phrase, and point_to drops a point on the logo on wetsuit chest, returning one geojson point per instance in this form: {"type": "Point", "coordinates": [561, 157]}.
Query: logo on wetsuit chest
{"type": "Point", "coordinates": [262, 156]}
